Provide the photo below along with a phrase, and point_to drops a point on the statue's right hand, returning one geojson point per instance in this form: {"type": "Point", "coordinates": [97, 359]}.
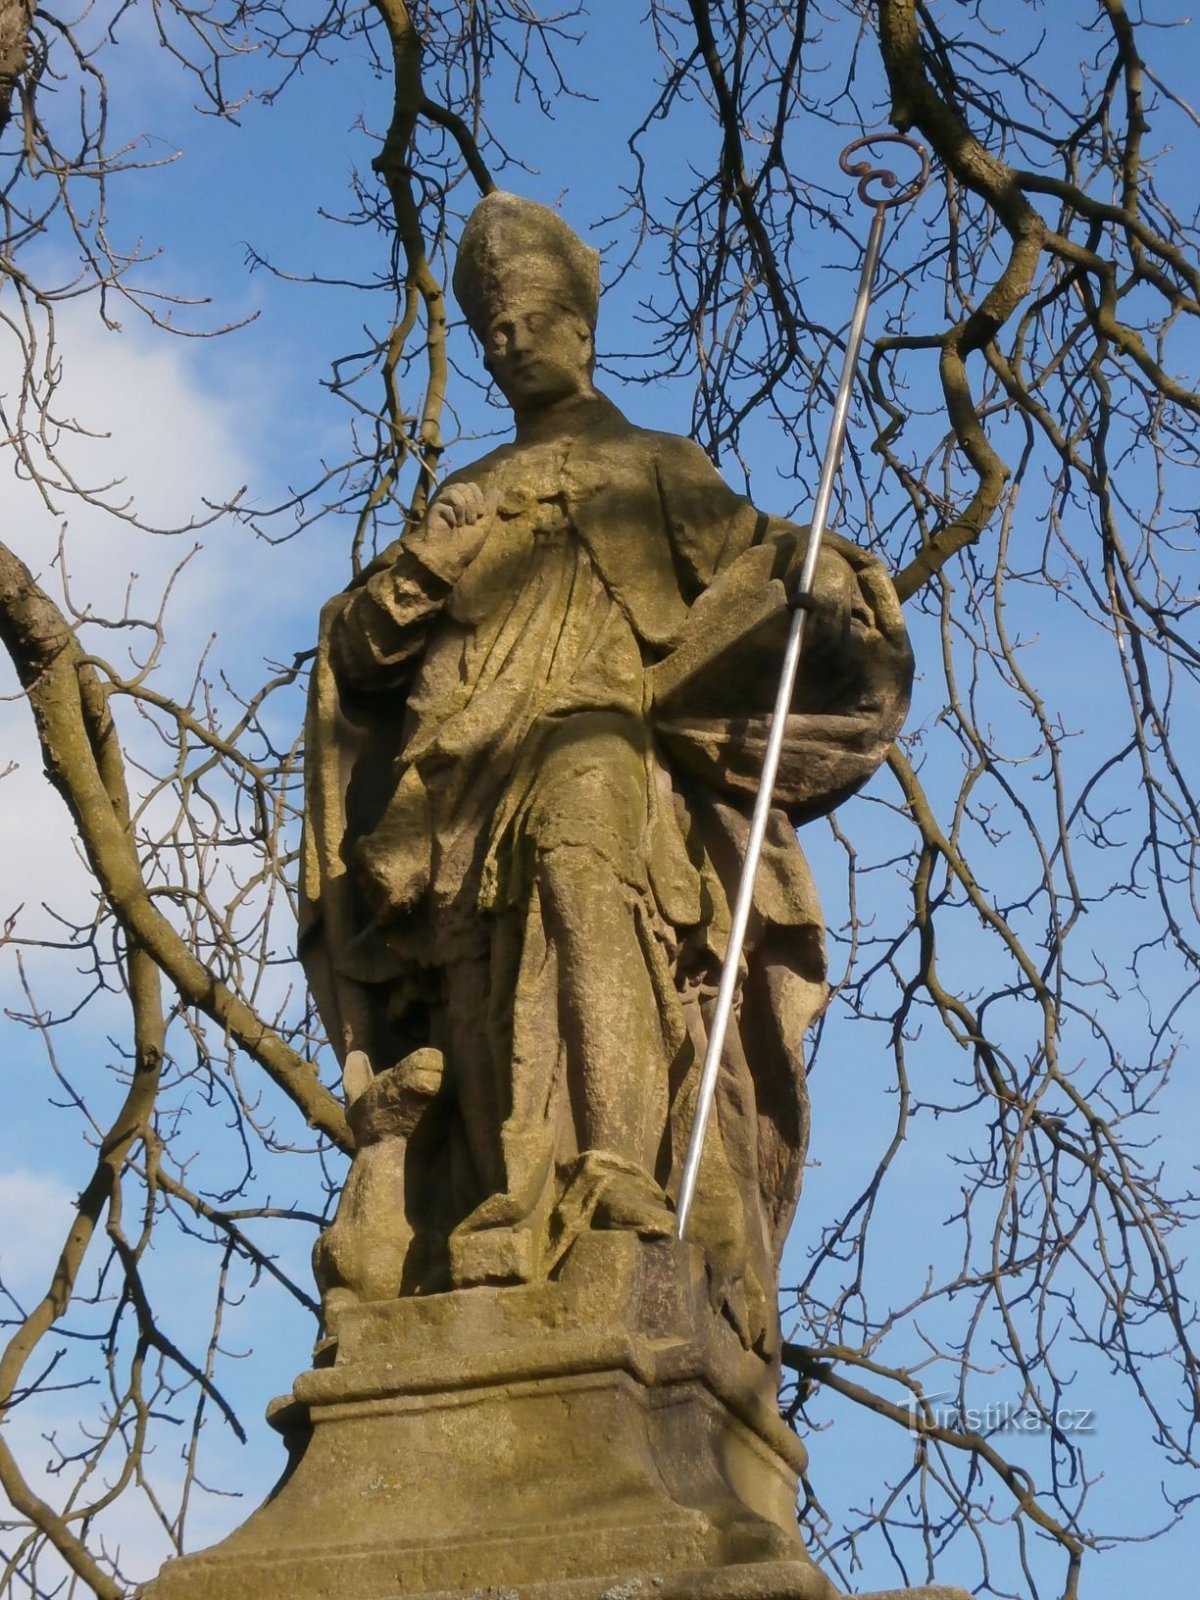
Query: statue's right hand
{"type": "Point", "coordinates": [455, 527]}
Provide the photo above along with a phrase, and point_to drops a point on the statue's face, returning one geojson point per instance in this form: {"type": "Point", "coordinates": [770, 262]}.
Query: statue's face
{"type": "Point", "coordinates": [538, 355]}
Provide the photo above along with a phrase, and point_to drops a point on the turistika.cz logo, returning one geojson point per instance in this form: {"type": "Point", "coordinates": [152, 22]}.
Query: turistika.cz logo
{"type": "Point", "coordinates": [997, 1416]}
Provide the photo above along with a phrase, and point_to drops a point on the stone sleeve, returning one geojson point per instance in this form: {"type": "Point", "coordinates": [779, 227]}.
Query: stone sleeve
{"type": "Point", "coordinates": [381, 628]}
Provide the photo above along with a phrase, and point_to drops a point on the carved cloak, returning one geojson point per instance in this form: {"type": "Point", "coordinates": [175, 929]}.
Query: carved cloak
{"type": "Point", "coordinates": [695, 571]}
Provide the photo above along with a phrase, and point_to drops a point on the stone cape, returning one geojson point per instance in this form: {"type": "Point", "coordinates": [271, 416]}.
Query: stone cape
{"type": "Point", "coordinates": [685, 574]}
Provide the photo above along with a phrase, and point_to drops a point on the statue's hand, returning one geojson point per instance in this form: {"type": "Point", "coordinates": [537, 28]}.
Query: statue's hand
{"type": "Point", "coordinates": [454, 529]}
{"type": "Point", "coordinates": [876, 585]}
{"type": "Point", "coordinates": [838, 610]}
{"type": "Point", "coordinates": [855, 623]}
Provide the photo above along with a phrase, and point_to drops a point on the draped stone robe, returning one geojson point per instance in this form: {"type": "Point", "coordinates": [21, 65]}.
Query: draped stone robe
{"type": "Point", "coordinates": [529, 786]}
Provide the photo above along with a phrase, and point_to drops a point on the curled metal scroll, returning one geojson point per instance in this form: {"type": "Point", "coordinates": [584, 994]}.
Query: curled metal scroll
{"type": "Point", "coordinates": [867, 174]}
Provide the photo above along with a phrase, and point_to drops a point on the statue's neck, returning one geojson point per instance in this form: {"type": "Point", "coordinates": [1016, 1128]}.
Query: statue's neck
{"type": "Point", "coordinates": [565, 417]}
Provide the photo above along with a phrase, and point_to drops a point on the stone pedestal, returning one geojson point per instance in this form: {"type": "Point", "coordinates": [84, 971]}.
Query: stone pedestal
{"type": "Point", "coordinates": [600, 1437]}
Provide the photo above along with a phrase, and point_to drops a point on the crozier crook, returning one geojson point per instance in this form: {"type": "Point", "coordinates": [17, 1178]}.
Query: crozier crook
{"type": "Point", "coordinates": [801, 603]}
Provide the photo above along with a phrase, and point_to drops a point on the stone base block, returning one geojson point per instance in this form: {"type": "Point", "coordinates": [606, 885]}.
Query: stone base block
{"type": "Point", "coordinates": [603, 1437]}
{"type": "Point", "coordinates": [760, 1580]}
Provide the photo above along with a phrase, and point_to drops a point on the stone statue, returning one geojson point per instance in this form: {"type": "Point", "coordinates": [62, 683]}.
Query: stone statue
{"type": "Point", "coordinates": [536, 732]}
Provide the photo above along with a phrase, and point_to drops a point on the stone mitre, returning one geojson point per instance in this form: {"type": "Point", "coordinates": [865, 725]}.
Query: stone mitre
{"type": "Point", "coordinates": [514, 252]}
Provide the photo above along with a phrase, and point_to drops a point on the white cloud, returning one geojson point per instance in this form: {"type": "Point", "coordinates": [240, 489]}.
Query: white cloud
{"type": "Point", "coordinates": [175, 445]}
{"type": "Point", "coordinates": [150, 440]}
{"type": "Point", "coordinates": [35, 1213]}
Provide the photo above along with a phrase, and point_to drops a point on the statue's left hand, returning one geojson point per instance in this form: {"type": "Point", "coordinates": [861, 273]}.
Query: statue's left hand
{"type": "Point", "coordinates": [838, 610]}
{"type": "Point", "coordinates": [876, 585]}
{"type": "Point", "coordinates": [855, 622]}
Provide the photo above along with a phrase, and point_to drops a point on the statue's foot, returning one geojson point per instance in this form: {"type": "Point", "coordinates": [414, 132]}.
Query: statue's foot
{"type": "Point", "coordinates": [527, 1161]}
{"type": "Point", "coordinates": [496, 1256]}
{"type": "Point", "coordinates": [606, 1192]}
{"type": "Point", "coordinates": [497, 1211]}
{"type": "Point", "coordinates": [494, 1244]}
{"type": "Point", "coordinates": [632, 1200]}
{"type": "Point", "coordinates": [497, 1242]}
